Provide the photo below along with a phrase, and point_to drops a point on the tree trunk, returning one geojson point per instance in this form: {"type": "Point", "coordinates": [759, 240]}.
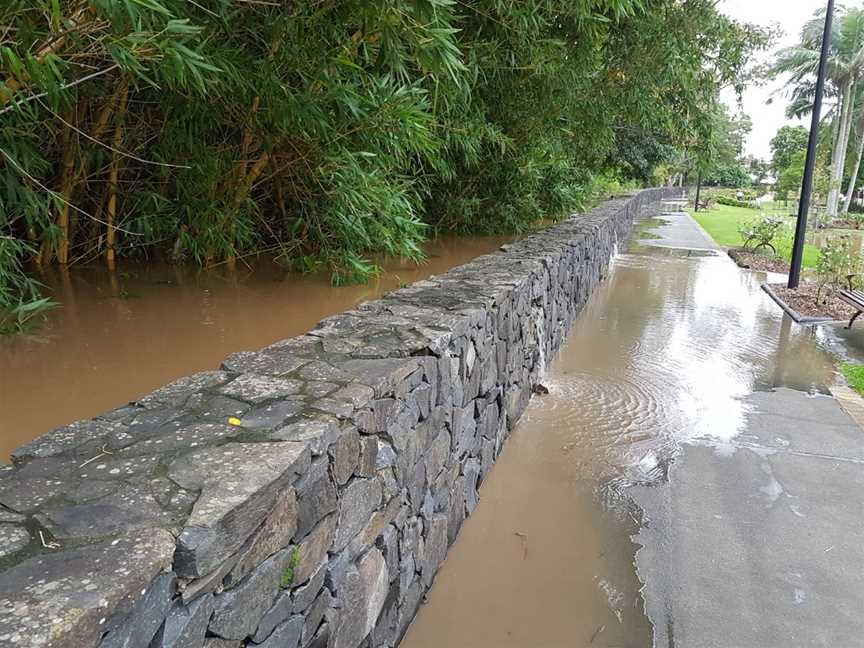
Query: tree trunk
{"type": "Point", "coordinates": [850, 190]}
{"type": "Point", "coordinates": [838, 159]}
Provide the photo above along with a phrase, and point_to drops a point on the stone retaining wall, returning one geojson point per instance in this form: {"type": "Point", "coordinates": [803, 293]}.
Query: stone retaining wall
{"type": "Point", "coordinates": [302, 495]}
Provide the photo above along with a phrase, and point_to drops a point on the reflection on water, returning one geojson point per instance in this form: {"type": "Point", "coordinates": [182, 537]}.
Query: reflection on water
{"type": "Point", "coordinates": [118, 337]}
{"type": "Point", "coordinates": [663, 355]}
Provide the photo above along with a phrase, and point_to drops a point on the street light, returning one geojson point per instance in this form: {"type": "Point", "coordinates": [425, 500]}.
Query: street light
{"type": "Point", "coordinates": [807, 183]}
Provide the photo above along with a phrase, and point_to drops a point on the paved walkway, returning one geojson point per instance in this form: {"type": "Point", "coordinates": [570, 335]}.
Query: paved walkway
{"type": "Point", "coordinates": [759, 544]}
{"type": "Point", "coordinates": [679, 230]}
{"type": "Point", "coordinates": [684, 400]}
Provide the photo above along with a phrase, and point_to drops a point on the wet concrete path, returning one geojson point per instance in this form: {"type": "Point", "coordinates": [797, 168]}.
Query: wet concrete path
{"type": "Point", "coordinates": [687, 482]}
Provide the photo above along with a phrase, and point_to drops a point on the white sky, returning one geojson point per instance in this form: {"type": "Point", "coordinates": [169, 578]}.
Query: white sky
{"type": "Point", "coordinates": [767, 118]}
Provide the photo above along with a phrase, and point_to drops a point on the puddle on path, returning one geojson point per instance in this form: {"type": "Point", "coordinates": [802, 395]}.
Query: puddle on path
{"type": "Point", "coordinates": [664, 354]}
{"type": "Point", "coordinates": [114, 339]}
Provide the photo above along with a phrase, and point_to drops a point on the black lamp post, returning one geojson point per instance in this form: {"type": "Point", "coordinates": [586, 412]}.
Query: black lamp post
{"type": "Point", "coordinates": [807, 183]}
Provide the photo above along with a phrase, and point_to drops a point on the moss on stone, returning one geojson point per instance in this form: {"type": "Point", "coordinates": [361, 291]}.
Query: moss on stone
{"type": "Point", "coordinates": [288, 573]}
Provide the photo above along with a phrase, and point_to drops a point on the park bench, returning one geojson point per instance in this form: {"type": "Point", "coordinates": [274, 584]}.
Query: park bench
{"type": "Point", "coordinates": [855, 298]}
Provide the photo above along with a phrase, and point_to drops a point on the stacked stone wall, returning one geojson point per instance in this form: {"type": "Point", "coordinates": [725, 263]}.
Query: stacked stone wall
{"type": "Point", "coordinates": [303, 495]}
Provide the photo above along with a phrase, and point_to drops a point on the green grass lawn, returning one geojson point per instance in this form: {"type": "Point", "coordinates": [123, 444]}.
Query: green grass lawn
{"type": "Point", "coordinates": [721, 222]}
{"type": "Point", "coordinates": [854, 374]}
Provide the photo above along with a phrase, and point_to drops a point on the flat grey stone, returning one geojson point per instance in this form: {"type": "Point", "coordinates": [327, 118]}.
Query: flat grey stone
{"type": "Point", "coordinates": [366, 464]}
{"type": "Point", "coordinates": [456, 509]}
{"type": "Point", "coordinates": [386, 456]}
{"type": "Point", "coordinates": [322, 372]}
{"type": "Point", "coordinates": [407, 572]}
{"type": "Point", "coordinates": [258, 389]}
{"type": "Point", "coordinates": [342, 409]}
{"type": "Point", "coordinates": [362, 596]}
{"type": "Point", "coordinates": [278, 613]}
{"type": "Point", "coordinates": [66, 440]}
{"type": "Point", "coordinates": [315, 615]}
{"type": "Point", "coordinates": [286, 635]}
{"type": "Point", "coordinates": [12, 538]}
{"type": "Point", "coordinates": [267, 362]}
{"type": "Point", "coordinates": [67, 598]}
{"type": "Point", "coordinates": [272, 415]}
{"type": "Point", "coordinates": [316, 497]}
{"type": "Point", "coordinates": [141, 624]}
{"type": "Point", "coordinates": [313, 548]}
{"type": "Point", "coordinates": [388, 543]}
{"type": "Point", "coordinates": [358, 395]}
{"type": "Point", "coordinates": [382, 375]}
{"type": "Point", "coordinates": [472, 475]}
{"type": "Point", "coordinates": [434, 547]}
{"type": "Point", "coordinates": [321, 638]}
{"type": "Point", "coordinates": [122, 467]}
{"type": "Point", "coordinates": [183, 438]}
{"type": "Point", "coordinates": [359, 500]}
{"type": "Point", "coordinates": [375, 526]}
{"type": "Point", "coordinates": [302, 597]}
{"type": "Point", "coordinates": [211, 582]}
{"type": "Point", "coordinates": [128, 509]}
{"type": "Point", "coordinates": [218, 408]}
{"type": "Point", "coordinates": [239, 483]}
{"type": "Point", "coordinates": [384, 632]}
{"type": "Point", "coordinates": [437, 455]}
{"type": "Point", "coordinates": [9, 516]}
{"type": "Point", "coordinates": [238, 611]}
{"type": "Point", "coordinates": [185, 625]}
{"type": "Point", "coordinates": [344, 454]}
{"type": "Point", "coordinates": [408, 608]}
{"type": "Point", "coordinates": [317, 432]}
{"type": "Point", "coordinates": [319, 389]}
{"type": "Point", "coordinates": [274, 534]}
{"type": "Point", "coordinates": [218, 642]}
{"type": "Point", "coordinates": [176, 393]}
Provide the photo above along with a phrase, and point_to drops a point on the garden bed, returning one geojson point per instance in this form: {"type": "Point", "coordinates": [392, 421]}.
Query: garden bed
{"type": "Point", "coordinates": [801, 303]}
{"type": "Point", "coordinates": [845, 224]}
{"type": "Point", "coordinates": [759, 261]}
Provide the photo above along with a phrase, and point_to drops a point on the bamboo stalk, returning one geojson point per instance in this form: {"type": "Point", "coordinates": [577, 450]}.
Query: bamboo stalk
{"type": "Point", "coordinates": [67, 186]}
{"type": "Point", "coordinates": [117, 141]}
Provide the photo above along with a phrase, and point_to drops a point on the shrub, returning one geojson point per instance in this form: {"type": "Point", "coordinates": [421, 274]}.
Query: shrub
{"type": "Point", "coordinates": [734, 202]}
{"type": "Point", "coordinates": [837, 260]}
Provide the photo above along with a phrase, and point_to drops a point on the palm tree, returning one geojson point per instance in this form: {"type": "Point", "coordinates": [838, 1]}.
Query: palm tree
{"type": "Point", "coordinates": [859, 131]}
{"type": "Point", "coordinates": [845, 71]}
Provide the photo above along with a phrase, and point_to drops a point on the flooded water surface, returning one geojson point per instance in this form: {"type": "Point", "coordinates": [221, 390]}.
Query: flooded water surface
{"type": "Point", "coordinates": [117, 338]}
{"type": "Point", "coordinates": [663, 355]}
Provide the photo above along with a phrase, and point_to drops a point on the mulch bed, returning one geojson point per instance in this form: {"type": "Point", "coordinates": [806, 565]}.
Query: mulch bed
{"type": "Point", "coordinates": [845, 224]}
{"type": "Point", "coordinates": [803, 300]}
{"type": "Point", "coordinates": [759, 261]}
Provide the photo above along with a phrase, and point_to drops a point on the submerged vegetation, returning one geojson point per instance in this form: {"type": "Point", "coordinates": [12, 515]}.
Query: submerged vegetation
{"type": "Point", "coordinates": [325, 131]}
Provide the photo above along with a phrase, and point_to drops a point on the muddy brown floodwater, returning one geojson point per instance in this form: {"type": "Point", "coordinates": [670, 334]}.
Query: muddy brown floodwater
{"type": "Point", "coordinates": [117, 338]}
{"type": "Point", "coordinates": [663, 355]}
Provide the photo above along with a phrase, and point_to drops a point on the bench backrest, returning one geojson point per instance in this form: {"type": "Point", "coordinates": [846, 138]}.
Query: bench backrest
{"type": "Point", "coordinates": [855, 296]}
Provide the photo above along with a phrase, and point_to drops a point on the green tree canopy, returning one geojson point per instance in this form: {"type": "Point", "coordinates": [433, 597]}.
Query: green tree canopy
{"type": "Point", "coordinates": [325, 132]}
{"type": "Point", "coordinates": [845, 70]}
{"type": "Point", "coordinates": [788, 141]}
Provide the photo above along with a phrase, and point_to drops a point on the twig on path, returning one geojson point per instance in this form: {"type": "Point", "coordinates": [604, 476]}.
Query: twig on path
{"type": "Point", "coordinates": [48, 545]}
{"type": "Point", "coordinates": [104, 452]}
{"type": "Point", "coordinates": [524, 538]}
{"type": "Point", "coordinates": [597, 633]}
